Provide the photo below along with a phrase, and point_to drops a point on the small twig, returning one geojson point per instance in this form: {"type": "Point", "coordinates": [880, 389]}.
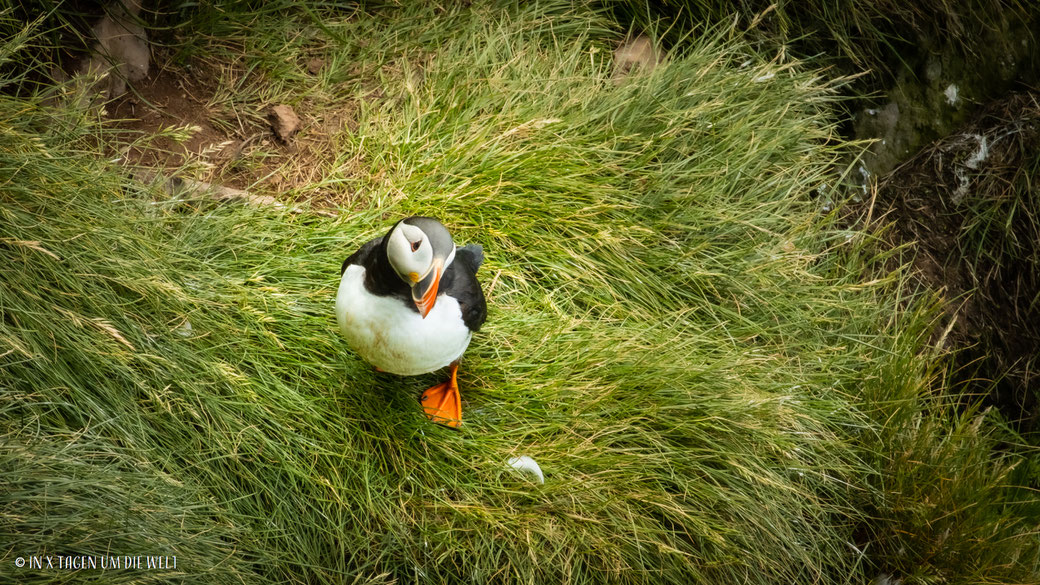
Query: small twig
{"type": "Point", "coordinates": [873, 200]}
{"type": "Point", "coordinates": [218, 192]}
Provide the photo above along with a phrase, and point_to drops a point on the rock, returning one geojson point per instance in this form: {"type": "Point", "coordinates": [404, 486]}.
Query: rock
{"type": "Point", "coordinates": [942, 84]}
{"type": "Point", "coordinates": [121, 49]}
{"type": "Point", "coordinates": [638, 54]}
{"type": "Point", "coordinates": [284, 122]}
{"type": "Point", "coordinates": [315, 65]}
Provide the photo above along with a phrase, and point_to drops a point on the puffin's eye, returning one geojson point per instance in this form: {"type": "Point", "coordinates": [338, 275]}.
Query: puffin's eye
{"type": "Point", "coordinates": [415, 245]}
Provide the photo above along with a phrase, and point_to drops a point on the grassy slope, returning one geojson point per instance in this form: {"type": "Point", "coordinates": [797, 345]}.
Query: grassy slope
{"type": "Point", "coordinates": [676, 334]}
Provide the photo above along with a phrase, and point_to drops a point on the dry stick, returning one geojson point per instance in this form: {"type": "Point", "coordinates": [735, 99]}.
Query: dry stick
{"type": "Point", "coordinates": [174, 185]}
{"type": "Point", "coordinates": [218, 192]}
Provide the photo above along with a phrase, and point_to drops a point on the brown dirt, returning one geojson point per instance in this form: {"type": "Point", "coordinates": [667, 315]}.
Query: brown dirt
{"type": "Point", "coordinates": [236, 149]}
{"type": "Point", "coordinates": [161, 101]}
{"type": "Point", "coordinates": [973, 225]}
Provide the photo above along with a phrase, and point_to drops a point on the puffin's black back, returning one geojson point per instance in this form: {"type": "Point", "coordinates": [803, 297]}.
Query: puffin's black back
{"type": "Point", "coordinates": [459, 281]}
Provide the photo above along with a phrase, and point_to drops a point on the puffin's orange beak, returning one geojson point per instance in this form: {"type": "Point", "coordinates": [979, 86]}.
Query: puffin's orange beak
{"type": "Point", "coordinates": [424, 293]}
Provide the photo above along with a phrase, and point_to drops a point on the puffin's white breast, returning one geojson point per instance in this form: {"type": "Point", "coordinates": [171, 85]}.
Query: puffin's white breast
{"type": "Point", "coordinates": [394, 338]}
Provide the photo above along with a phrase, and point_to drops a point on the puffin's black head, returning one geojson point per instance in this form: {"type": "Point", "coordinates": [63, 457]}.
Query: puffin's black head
{"type": "Point", "coordinates": [419, 250]}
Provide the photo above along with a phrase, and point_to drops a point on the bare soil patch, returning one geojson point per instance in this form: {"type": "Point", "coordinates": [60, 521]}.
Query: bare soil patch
{"type": "Point", "coordinates": [970, 206]}
{"type": "Point", "coordinates": [227, 144]}
{"type": "Point", "coordinates": [166, 100]}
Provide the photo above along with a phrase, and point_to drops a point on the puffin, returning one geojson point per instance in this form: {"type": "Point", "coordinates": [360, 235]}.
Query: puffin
{"type": "Point", "coordinates": [409, 302]}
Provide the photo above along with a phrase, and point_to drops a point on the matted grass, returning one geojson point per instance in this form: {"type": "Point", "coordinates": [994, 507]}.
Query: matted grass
{"type": "Point", "coordinates": [701, 363]}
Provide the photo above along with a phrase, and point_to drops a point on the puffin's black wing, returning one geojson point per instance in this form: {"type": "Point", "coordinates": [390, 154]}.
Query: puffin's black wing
{"type": "Point", "coordinates": [363, 256]}
{"type": "Point", "coordinates": [463, 285]}
{"type": "Point", "coordinates": [380, 278]}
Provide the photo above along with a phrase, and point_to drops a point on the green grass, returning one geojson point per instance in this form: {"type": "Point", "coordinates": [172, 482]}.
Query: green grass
{"type": "Point", "coordinates": [719, 383]}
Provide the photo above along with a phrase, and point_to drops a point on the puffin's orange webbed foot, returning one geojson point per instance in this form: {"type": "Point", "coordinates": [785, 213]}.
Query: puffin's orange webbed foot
{"type": "Point", "coordinates": [442, 402]}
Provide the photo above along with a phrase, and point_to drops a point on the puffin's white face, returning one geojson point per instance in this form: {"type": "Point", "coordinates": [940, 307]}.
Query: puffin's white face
{"type": "Point", "coordinates": [410, 253]}
{"type": "Point", "coordinates": [419, 250]}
